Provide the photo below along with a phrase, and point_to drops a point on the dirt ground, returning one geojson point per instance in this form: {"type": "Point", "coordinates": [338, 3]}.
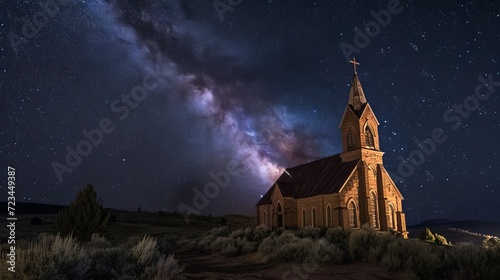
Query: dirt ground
{"type": "Point", "coordinates": [199, 266]}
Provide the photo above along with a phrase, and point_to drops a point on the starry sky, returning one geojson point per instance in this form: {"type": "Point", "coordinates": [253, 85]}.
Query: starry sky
{"type": "Point", "coordinates": [158, 95]}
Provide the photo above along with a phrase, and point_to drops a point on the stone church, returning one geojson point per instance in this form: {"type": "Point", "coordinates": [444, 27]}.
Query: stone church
{"type": "Point", "coordinates": [347, 189]}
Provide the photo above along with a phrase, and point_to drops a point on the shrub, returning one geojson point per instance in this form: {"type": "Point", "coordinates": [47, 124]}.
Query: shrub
{"type": "Point", "coordinates": [439, 239]}
{"type": "Point", "coordinates": [324, 252]}
{"type": "Point", "coordinates": [237, 233]}
{"type": "Point", "coordinates": [411, 255]}
{"type": "Point", "coordinates": [426, 235]}
{"type": "Point", "coordinates": [279, 230]}
{"type": "Point", "coordinates": [165, 268]}
{"type": "Point", "coordinates": [338, 236]}
{"type": "Point", "coordinates": [220, 231]}
{"type": "Point", "coordinates": [270, 244]}
{"type": "Point", "coordinates": [490, 242]}
{"type": "Point", "coordinates": [98, 241]}
{"type": "Point", "coordinates": [64, 258]}
{"type": "Point", "coordinates": [221, 243]}
{"type": "Point", "coordinates": [146, 251]}
{"type": "Point", "coordinates": [105, 260]}
{"type": "Point", "coordinates": [379, 249]}
{"type": "Point", "coordinates": [311, 232]}
{"type": "Point", "coordinates": [83, 217]}
{"type": "Point", "coordinates": [468, 261]}
{"type": "Point", "coordinates": [247, 246]}
{"type": "Point", "coordinates": [360, 241]}
{"type": "Point", "coordinates": [229, 251]}
{"type": "Point", "coordinates": [261, 232]}
{"type": "Point", "coordinates": [36, 221]}
{"type": "Point", "coordinates": [51, 257]}
{"type": "Point", "coordinates": [493, 254]}
{"type": "Point", "coordinates": [295, 249]}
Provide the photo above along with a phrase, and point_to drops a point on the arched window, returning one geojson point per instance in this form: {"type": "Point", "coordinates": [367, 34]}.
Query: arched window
{"type": "Point", "coordinates": [353, 217]}
{"type": "Point", "coordinates": [303, 217]}
{"type": "Point", "coordinates": [328, 216]}
{"type": "Point", "coordinates": [370, 142]}
{"type": "Point", "coordinates": [265, 218]}
{"type": "Point", "coordinates": [374, 209]}
{"type": "Point", "coordinates": [279, 212]}
{"type": "Point", "coordinates": [313, 217]}
{"type": "Point", "coordinates": [391, 220]}
{"type": "Point", "coordinates": [351, 139]}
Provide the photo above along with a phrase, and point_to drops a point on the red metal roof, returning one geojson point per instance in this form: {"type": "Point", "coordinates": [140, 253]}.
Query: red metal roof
{"type": "Point", "coordinates": [323, 176]}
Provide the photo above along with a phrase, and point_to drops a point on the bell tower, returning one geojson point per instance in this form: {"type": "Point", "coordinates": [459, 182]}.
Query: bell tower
{"type": "Point", "coordinates": [359, 126]}
{"type": "Point", "coordinates": [360, 141]}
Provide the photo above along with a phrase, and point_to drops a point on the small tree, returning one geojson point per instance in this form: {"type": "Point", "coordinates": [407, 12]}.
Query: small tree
{"type": "Point", "coordinates": [439, 239]}
{"type": "Point", "coordinates": [83, 217]}
{"type": "Point", "coordinates": [427, 235]}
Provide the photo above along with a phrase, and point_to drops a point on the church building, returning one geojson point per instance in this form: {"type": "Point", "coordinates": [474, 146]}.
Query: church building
{"type": "Point", "coordinates": [349, 189]}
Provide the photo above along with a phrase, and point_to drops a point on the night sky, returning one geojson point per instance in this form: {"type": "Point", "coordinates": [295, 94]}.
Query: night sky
{"type": "Point", "coordinates": [180, 89]}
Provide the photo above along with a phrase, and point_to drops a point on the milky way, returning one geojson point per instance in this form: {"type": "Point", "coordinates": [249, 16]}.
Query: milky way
{"type": "Point", "coordinates": [262, 85]}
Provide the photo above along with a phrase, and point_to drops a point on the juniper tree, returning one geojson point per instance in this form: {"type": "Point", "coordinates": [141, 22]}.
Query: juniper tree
{"type": "Point", "coordinates": [426, 235]}
{"type": "Point", "coordinates": [83, 217]}
{"type": "Point", "coordinates": [439, 239]}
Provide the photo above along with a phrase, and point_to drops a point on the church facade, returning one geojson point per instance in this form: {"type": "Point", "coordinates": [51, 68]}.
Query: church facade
{"type": "Point", "coordinates": [349, 189]}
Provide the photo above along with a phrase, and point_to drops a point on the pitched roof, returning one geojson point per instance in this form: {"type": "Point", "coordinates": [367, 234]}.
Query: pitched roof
{"type": "Point", "coordinates": [326, 175]}
{"type": "Point", "coordinates": [266, 199]}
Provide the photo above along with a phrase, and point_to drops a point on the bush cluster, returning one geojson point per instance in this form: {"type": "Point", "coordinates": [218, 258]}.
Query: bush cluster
{"type": "Point", "coordinates": [408, 259]}
{"type": "Point", "coordinates": [55, 257]}
{"type": "Point", "coordinates": [427, 236]}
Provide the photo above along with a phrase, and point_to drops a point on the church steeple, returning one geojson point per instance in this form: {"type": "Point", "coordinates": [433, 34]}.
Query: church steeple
{"type": "Point", "coordinates": [359, 126]}
{"type": "Point", "coordinates": [356, 95]}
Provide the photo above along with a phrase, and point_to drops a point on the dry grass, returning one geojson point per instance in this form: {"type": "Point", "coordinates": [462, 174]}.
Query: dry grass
{"type": "Point", "coordinates": [54, 257]}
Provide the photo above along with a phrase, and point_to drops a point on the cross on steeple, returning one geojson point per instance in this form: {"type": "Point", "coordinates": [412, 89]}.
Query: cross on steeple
{"type": "Point", "coordinates": [354, 63]}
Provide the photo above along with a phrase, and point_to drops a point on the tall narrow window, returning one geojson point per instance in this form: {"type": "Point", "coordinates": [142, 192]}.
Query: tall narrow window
{"type": "Point", "coordinates": [328, 216]}
{"type": "Point", "coordinates": [313, 216]}
{"type": "Point", "coordinates": [370, 142]}
{"type": "Point", "coordinates": [374, 209]}
{"type": "Point", "coordinates": [351, 139]}
{"type": "Point", "coordinates": [353, 223]}
{"type": "Point", "coordinates": [303, 217]}
{"type": "Point", "coordinates": [265, 218]}
{"type": "Point", "coordinates": [279, 211]}
{"type": "Point", "coordinates": [391, 221]}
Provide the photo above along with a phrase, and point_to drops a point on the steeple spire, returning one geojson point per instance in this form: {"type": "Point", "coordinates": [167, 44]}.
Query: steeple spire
{"type": "Point", "coordinates": [356, 95]}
